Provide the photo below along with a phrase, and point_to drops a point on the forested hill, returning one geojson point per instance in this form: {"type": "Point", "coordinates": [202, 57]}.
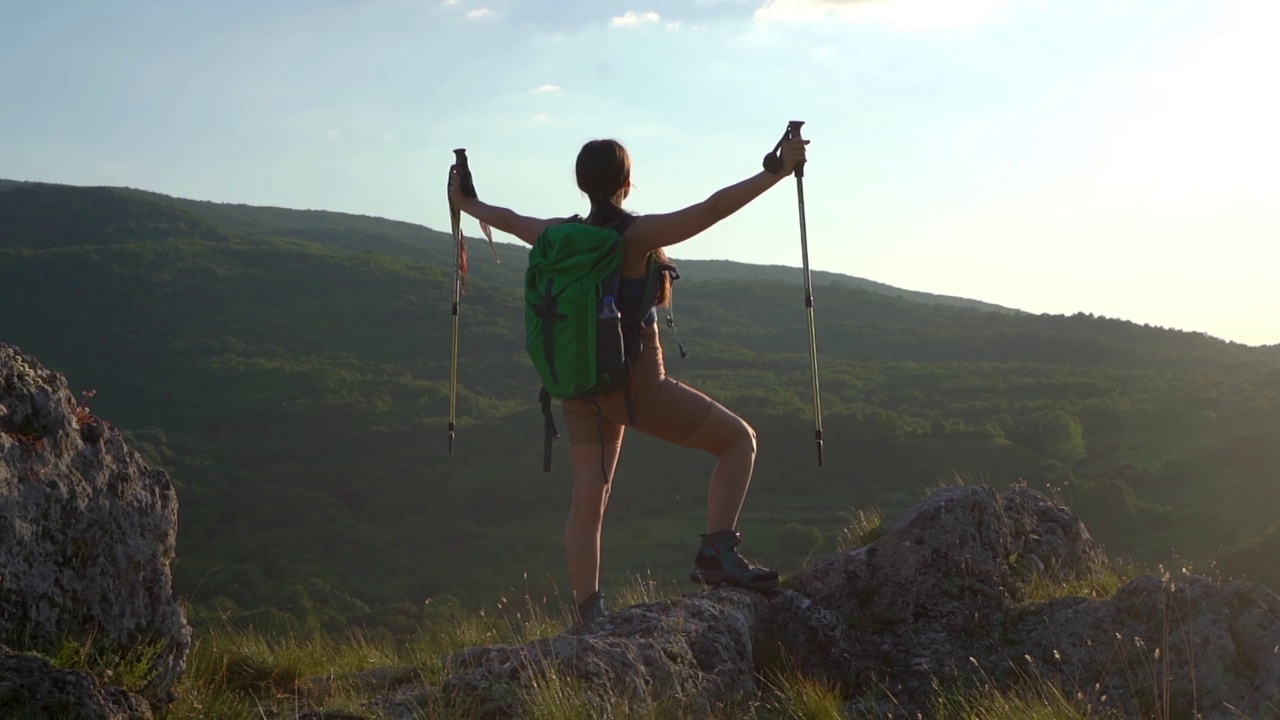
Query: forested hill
{"type": "Point", "coordinates": [730, 270]}
{"type": "Point", "coordinates": [290, 369]}
{"type": "Point", "coordinates": [401, 239]}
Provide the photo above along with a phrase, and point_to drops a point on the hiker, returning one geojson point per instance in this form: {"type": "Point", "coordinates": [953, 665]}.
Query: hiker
{"type": "Point", "coordinates": [661, 406]}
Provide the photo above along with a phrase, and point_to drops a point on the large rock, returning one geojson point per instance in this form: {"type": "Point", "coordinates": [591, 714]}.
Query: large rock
{"type": "Point", "coordinates": [940, 600]}
{"type": "Point", "coordinates": [936, 589]}
{"type": "Point", "coordinates": [31, 687]}
{"type": "Point", "coordinates": [687, 657]}
{"type": "Point", "coordinates": [1195, 647]}
{"type": "Point", "coordinates": [88, 531]}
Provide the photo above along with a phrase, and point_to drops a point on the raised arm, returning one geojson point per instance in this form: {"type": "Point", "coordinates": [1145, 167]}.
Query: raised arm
{"type": "Point", "coordinates": [650, 232]}
{"type": "Point", "coordinates": [508, 221]}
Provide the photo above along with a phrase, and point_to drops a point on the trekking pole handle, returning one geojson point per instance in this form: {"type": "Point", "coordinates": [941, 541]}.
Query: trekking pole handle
{"type": "Point", "coordinates": [464, 172]}
{"type": "Point", "coordinates": [793, 133]}
{"type": "Point", "coordinates": [773, 159]}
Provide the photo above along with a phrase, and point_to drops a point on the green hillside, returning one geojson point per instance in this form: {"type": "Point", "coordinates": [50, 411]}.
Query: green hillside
{"type": "Point", "coordinates": [360, 233]}
{"type": "Point", "coordinates": [730, 270]}
{"type": "Point", "coordinates": [289, 368]}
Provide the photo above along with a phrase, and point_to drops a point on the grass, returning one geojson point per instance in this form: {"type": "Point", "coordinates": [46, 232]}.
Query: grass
{"type": "Point", "coordinates": [133, 669]}
{"type": "Point", "coordinates": [234, 674]}
{"type": "Point", "coordinates": [1035, 699]}
{"type": "Point", "coordinates": [789, 695]}
{"type": "Point", "coordinates": [1103, 582]}
{"type": "Point", "coordinates": [863, 527]}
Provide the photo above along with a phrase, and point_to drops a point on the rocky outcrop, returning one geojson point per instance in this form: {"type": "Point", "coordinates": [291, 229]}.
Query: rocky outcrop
{"type": "Point", "coordinates": [940, 600]}
{"type": "Point", "coordinates": [31, 687]}
{"type": "Point", "coordinates": [938, 588]}
{"type": "Point", "coordinates": [1185, 643]}
{"type": "Point", "coordinates": [687, 657]}
{"type": "Point", "coordinates": [88, 532]}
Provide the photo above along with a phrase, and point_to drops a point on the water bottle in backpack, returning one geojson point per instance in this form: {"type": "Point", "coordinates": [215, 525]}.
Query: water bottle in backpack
{"type": "Point", "coordinates": [609, 350]}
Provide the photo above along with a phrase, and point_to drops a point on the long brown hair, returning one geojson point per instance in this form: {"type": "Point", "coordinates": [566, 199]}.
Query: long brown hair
{"type": "Point", "coordinates": [604, 174]}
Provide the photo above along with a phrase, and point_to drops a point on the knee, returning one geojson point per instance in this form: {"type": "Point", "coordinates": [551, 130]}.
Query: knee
{"type": "Point", "coordinates": [747, 436]}
{"type": "Point", "coordinates": [740, 437]}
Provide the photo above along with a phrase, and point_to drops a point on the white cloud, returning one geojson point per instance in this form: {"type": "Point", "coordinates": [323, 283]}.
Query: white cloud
{"type": "Point", "coordinates": [901, 14]}
{"type": "Point", "coordinates": [548, 88]}
{"type": "Point", "coordinates": [632, 18]}
{"type": "Point", "coordinates": [479, 13]}
{"type": "Point", "coordinates": [332, 134]}
{"type": "Point", "coordinates": [540, 117]}
{"type": "Point", "coordinates": [451, 2]}
{"type": "Point", "coordinates": [675, 25]}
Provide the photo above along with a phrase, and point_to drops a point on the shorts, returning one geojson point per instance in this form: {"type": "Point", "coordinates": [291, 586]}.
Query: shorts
{"type": "Point", "coordinates": [664, 408]}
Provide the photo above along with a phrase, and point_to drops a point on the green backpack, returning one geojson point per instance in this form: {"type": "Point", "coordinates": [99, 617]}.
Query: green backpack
{"type": "Point", "coordinates": [579, 342]}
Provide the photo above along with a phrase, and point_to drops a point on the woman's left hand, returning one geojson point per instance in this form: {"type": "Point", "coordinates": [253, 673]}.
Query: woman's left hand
{"type": "Point", "coordinates": [456, 197]}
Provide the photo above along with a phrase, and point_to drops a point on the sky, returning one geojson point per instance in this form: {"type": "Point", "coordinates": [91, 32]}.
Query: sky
{"type": "Point", "coordinates": [1113, 157]}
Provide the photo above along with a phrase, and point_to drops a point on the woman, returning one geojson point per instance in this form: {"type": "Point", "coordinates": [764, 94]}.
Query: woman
{"type": "Point", "coordinates": [663, 407]}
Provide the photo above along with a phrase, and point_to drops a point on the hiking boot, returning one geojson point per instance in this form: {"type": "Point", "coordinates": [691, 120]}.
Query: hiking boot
{"type": "Point", "coordinates": [718, 563]}
{"type": "Point", "coordinates": [591, 609]}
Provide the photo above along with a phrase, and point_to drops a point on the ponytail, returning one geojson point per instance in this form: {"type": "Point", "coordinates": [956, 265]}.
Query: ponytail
{"type": "Point", "coordinates": [603, 170]}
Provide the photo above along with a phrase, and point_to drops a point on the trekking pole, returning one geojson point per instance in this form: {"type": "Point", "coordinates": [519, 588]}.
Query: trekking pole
{"type": "Point", "coordinates": [463, 171]}
{"type": "Point", "coordinates": [459, 272]}
{"type": "Point", "coordinates": [773, 163]}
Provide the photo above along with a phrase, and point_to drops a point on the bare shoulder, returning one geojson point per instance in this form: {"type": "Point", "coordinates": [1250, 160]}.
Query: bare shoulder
{"type": "Point", "coordinates": [634, 257]}
{"type": "Point", "coordinates": [529, 228]}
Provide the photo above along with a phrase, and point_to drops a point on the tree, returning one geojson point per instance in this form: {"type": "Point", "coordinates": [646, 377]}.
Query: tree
{"type": "Point", "coordinates": [1059, 435]}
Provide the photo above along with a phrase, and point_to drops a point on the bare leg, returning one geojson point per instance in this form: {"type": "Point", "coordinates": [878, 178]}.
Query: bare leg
{"type": "Point", "coordinates": [586, 512]}
{"type": "Point", "coordinates": [679, 414]}
{"type": "Point", "coordinates": [672, 411]}
{"type": "Point", "coordinates": [687, 417]}
{"type": "Point", "coordinates": [733, 442]}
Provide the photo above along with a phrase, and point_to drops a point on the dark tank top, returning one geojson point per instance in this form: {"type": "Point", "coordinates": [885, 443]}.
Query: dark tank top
{"type": "Point", "coordinates": [630, 292]}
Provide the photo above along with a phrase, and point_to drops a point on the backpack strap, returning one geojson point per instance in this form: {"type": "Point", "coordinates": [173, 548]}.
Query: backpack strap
{"type": "Point", "coordinates": [622, 223]}
{"type": "Point", "coordinates": [650, 297]}
{"type": "Point", "coordinates": [548, 311]}
{"type": "Point", "coordinates": [671, 313]}
{"type": "Point", "coordinates": [628, 394]}
{"type": "Point", "coordinates": [549, 428]}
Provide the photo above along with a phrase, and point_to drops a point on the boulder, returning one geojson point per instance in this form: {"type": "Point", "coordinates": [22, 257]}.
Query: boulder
{"type": "Point", "coordinates": [1187, 645]}
{"type": "Point", "coordinates": [939, 601]}
{"type": "Point", "coordinates": [87, 540]}
{"type": "Point", "coordinates": [688, 656]}
{"type": "Point", "coordinates": [936, 589]}
{"type": "Point", "coordinates": [31, 687]}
